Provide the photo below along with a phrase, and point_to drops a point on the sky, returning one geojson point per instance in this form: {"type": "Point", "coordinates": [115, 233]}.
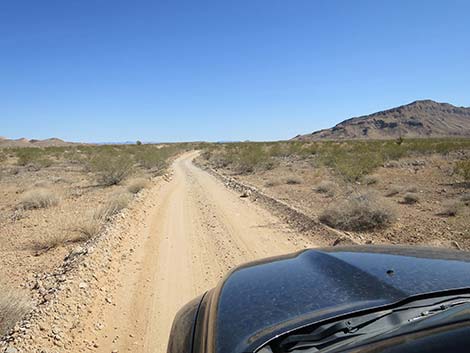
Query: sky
{"type": "Point", "coordinates": [222, 70]}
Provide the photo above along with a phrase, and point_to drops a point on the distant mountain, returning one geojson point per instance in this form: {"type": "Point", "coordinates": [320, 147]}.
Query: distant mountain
{"type": "Point", "coordinates": [424, 118]}
{"type": "Point", "coordinates": [24, 142]}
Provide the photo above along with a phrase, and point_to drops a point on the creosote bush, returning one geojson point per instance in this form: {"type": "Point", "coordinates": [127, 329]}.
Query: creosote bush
{"type": "Point", "coordinates": [13, 306]}
{"type": "Point", "coordinates": [38, 198]}
{"type": "Point", "coordinates": [463, 168]}
{"type": "Point", "coordinates": [359, 213]}
{"type": "Point", "coordinates": [111, 170]}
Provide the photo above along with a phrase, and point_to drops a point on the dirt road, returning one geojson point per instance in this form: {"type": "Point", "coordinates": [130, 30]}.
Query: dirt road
{"type": "Point", "coordinates": [196, 231]}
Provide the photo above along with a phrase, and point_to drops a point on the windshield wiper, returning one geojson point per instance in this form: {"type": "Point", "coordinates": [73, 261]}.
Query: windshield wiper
{"type": "Point", "coordinates": [365, 326]}
{"type": "Point", "coordinates": [328, 334]}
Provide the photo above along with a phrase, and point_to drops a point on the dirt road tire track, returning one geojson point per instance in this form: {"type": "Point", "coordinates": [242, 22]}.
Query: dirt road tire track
{"type": "Point", "coordinates": [194, 233]}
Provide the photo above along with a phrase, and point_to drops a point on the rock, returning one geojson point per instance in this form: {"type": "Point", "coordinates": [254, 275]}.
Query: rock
{"type": "Point", "coordinates": [344, 241]}
{"type": "Point", "coordinates": [11, 350]}
{"type": "Point", "coordinates": [83, 285]}
{"type": "Point", "coordinates": [246, 193]}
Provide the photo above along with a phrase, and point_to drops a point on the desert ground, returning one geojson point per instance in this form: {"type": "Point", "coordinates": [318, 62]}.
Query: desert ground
{"type": "Point", "coordinates": [101, 245]}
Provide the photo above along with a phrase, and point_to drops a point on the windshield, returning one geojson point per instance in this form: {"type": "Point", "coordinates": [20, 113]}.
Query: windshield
{"type": "Point", "coordinates": [347, 332]}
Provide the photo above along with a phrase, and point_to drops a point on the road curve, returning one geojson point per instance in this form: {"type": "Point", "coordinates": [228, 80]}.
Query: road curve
{"type": "Point", "coordinates": [196, 231]}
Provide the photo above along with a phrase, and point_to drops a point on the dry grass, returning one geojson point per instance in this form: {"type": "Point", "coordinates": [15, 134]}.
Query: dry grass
{"type": "Point", "coordinates": [89, 226]}
{"type": "Point", "coordinates": [326, 187]}
{"type": "Point", "coordinates": [271, 183]}
{"type": "Point", "coordinates": [410, 198]}
{"type": "Point", "coordinates": [38, 198]}
{"type": "Point", "coordinates": [13, 306]}
{"type": "Point", "coordinates": [136, 185]}
{"type": "Point", "coordinates": [450, 208]}
{"type": "Point", "coordinates": [394, 190]}
{"type": "Point", "coordinates": [115, 204]}
{"type": "Point", "coordinates": [370, 180]}
{"type": "Point", "coordinates": [412, 189]}
{"type": "Point", "coordinates": [359, 213]}
{"type": "Point", "coordinates": [465, 197]}
{"type": "Point", "coordinates": [293, 181]}
{"type": "Point", "coordinates": [92, 224]}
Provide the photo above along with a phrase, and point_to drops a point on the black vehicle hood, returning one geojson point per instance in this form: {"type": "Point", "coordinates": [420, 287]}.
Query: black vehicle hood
{"type": "Point", "coordinates": [263, 299]}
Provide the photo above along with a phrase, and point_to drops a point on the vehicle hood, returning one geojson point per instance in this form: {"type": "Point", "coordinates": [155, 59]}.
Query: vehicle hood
{"type": "Point", "coordinates": [263, 299]}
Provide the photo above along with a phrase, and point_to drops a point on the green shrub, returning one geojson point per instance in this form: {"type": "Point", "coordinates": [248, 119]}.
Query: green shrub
{"type": "Point", "coordinates": [463, 169]}
{"type": "Point", "coordinates": [111, 170]}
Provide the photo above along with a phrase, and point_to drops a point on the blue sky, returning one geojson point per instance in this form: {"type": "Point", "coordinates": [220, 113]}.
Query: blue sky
{"type": "Point", "coordinates": [111, 70]}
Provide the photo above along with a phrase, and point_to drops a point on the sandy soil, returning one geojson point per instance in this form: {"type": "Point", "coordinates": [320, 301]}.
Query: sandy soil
{"type": "Point", "coordinates": [183, 238]}
{"type": "Point", "coordinates": [198, 232]}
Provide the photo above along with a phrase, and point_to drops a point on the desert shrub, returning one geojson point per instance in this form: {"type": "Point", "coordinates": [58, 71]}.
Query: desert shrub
{"type": "Point", "coordinates": [13, 306]}
{"type": "Point", "coordinates": [326, 187]}
{"type": "Point", "coordinates": [450, 208]}
{"type": "Point", "coordinates": [293, 181]}
{"type": "Point", "coordinates": [38, 198]}
{"type": "Point", "coordinates": [410, 198]}
{"type": "Point", "coordinates": [271, 183]}
{"type": "Point", "coordinates": [465, 197]}
{"type": "Point", "coordinates": [463, 169]}
{"type": "Point", "coordinates": [137, 185]}
{"type": "Point", "coordinates": [411, 188]}
{"type": "Point", "coordinates": [370, 180]}
{"type": "Point", "coordinates": [394, 190]}
{"type": "Point", "coordinates": [31, 156]}
{"type": "Point", "coordinates": [358, 213]}
{"type": "Point", "coordinates": [111, 170]}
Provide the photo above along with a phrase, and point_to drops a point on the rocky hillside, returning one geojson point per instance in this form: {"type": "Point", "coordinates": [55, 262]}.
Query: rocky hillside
{"type": "Point", "coordinates": [424, 118]}
{"type": "Point", "coordinates": [24, 142]}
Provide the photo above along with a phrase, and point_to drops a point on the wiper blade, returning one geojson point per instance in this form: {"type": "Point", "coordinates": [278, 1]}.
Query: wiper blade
{"type": "Point", "coordinates": [329, 334]}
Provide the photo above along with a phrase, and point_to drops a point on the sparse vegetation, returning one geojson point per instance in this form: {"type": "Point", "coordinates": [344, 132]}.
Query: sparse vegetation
{"type": "Point", "coordinates": [326, 187]}
{"type": "Point", "coordinates": [115, 204]}
{"type": "Point", "coordinates": [38, 198]}
{"type": "Point", "coordinates": [136, 185]}
{"type": "Point", "coordinates": [410, 198]}
{"type": "Point", "coordinates": [293, 181]}
{"type": "Point", "coordinates": [394, 190]}
{"type": "Point", "coordinates": [463, 168]}
{"type": "Point", "coordinates": [13, 306]}
{"type": "Point", "coordinates": [465, 197]}
{"type": "Point", "coordinates": [352, 160]}
{"type": "Point", "coordinates": [271, 183]}
{"type": "Point", "coordinates": [359, 213]}
{"type": "Point", "coordinates": [47, 241]}
{"type": "Point", "coordinates": [450, 208]}
{"type": "Point", "coordinates": [111, 170]}
{"type": "Point", "coordinates": [370, 180]}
